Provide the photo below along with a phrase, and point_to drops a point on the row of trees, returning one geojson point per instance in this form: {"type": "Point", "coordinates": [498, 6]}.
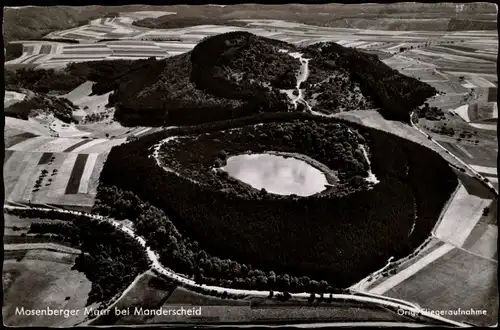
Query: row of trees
{"type": "Point", "coordinates": [336, 238]}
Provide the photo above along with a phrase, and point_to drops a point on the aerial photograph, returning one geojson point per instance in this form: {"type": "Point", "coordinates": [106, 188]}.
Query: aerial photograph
{"type": "Point", "coordinates": [251, 164]}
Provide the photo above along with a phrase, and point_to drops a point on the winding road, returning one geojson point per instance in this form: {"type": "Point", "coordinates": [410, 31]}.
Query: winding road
{"type": "Point", "coordinates": [361, 297]}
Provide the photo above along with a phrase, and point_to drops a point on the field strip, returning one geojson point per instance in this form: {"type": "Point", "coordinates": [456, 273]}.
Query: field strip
{"type": "Point", "coordinates": [96, 173]}
{"type": "Point", "coordinates": [463, 112]}
{"type": "Point", "coordinates": [12, 140]}
{"type": "Point", "coordinates": [79, 144]}
{"type": "Point", "coordinates": [461, 73]}
{"type": "Point", "coordinates": [28, 176]}
{"type": "Point", "coordinates": [411, 270]}
{"type": "Point", "coordinates": [464, 151]}
{"type": "Point", "coordinates": [486, 245]}
{"type": "Point", "coordinates": [461, 217]}
{"type": "Point", "coordinates": [467, 84]}
{"type": "Point", "coordinates": [144, 130]}
{"type": "Point", "coordinates": [105, 146]}
{"type": "Point", "coordinates": [40, 246]}
{"type": "Point", "coordinates": [88, 145]}
{"type": "Point", "coordinates": [83, 188]}
{"type": "Point", "coordinates": [76, 174]}
{"type": "Point", "coordinates": [7, 155]}
{"type": "Point", "coordinates": [61, 179]}
{"type": "Point", "coordinates": [13, 170]}
{"type": "Point", "coordinates": [493, 179]}
{"type": "Point", "coordinates": [485, 169]}
{"type": "Point", "coordinates": [28, 145]}
{"type": "Point", "coordinates": [58, 145]}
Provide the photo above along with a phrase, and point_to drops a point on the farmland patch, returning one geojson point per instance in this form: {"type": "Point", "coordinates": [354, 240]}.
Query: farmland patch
{"type": "Point", "coordinates": [44, 160]}
{"type": "Point", "coordinates": [492, 94]}
{"type": "Point", "coordinates": [11, 141]}
{"type": "Point", "coordinates": [77, 145]}
{"type": "Point", "coordinates": [483, 241]}
{"type": "Point", "coordinates": [36, 283]}
{"type": "Point", "coordinates": [76, 174]}
{"type": "Point", "coordinates": [447, 283]}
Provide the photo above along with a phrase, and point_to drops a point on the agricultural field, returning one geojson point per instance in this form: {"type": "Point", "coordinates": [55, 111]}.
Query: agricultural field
{"type": "Point", "coordinates": [118, 38]}
{"type": "Point", "coordinates": [39, 277]}
{"type": "Point", "coordinates": [440, 277]}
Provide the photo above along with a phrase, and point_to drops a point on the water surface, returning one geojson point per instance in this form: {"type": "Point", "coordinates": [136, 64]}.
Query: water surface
{"type": "Point", "coordinates": [276, 174]}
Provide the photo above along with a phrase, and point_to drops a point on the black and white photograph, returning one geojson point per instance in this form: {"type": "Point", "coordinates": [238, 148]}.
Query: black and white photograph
{"type": "Point", "coordinates": [247, 164]}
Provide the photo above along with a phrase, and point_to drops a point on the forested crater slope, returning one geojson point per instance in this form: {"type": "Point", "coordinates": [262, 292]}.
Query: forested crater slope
{"type": "Point", "coordinates": [339, 237]}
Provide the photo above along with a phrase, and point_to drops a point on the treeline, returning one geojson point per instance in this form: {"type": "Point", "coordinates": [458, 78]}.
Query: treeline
{"type": "Point", "coordinates": [430, 113]}
{"type": "Point", "coordinates": [183, 21]}
{"type": "Point", "coordinates": [110, 259]}
{"type": "Point", "coordinates": [469, 24]}
{"type": "Point", "coordinates": [395, 94]}
{"type": "Point", "coordinates": [61, 108]}
{"type": "Point", "coordinates": [73, 75]}
{"type": "Point", "coordinates": [185, 256]}
{"type": "Point", "coordinates": [339, 239]}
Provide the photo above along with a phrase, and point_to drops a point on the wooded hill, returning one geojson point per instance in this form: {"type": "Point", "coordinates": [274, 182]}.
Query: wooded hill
{"type": "Point", "coordinates": [238, 74]}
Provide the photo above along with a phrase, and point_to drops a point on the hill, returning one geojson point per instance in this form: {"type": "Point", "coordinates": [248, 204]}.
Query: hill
{"type": "Point", "coordinates": [334, 238]}
{"type": "Point", "coordinates": [239, 74]}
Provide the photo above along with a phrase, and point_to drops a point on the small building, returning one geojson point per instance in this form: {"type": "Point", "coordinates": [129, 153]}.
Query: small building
{"type": "Point", "coordinates": [79, 115]}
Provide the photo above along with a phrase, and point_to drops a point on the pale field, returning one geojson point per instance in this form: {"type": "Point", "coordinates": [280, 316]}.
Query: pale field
{"type": "Point", "coordinates": [87, 172]}
{"type": "Point", "coordinates": [42, 246]}
{"type": "Point", "coordinates": [458, 279]}
{"type": "Point", "coordinates": [463, 112]}
{"type": "Point", "coordinates": [12, 98]}
{"type": "Point", "coordinates": [89, 144]}
{"type": "Point", "coordinates": [32, 144]}
{"type": "Point", "coordinates": [102, 147]}
{"type": "Point", "coordinates": [25, 179]}
{"type": "Point", "coordinates": [35, 284]}
{"type": "Point", "coordinates": [460, 218]}
{"type": "Point", "coordinates": [485, 169]}
{"type": "Point", "coordinates": [31, 126]}
{"type": "Point", "coordinates": [406, 273]}
{"type": "Point", "coordinates": [489, 127]}
{"type": "Point", "coordinates": [483, 241]}
{"type": "Point", "coordinates": [13, 170]}
{"type": "Point", "coordinates": [44, 189]}
{"type": "Point", "coordinates": [60, 182]}
{"type": "Point", "coordinates": [66, 130]}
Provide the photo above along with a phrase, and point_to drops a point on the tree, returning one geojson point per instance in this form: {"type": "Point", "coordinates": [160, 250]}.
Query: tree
{"type": "Point", "coordinates": [271, 294]}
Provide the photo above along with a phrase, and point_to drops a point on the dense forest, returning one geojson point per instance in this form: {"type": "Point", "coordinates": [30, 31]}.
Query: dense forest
{"type": "Point", "coordinates": [233, 75]}
{"type": "Point", "coordinates": [340, 239]}
{"type": "Point", "coordinates": [109, 258]}
{"type": "Point", "coordinates": [395, 95]}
